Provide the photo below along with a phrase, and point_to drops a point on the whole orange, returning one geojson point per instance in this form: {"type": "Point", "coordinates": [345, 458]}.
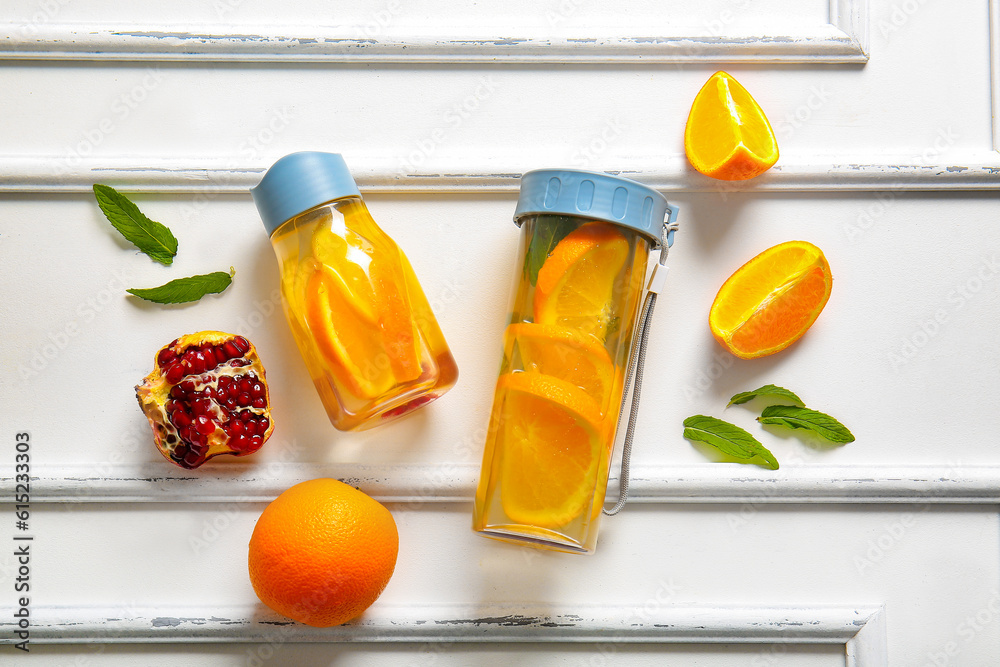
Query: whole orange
{"type": "Point", "coordinates": [322, 552]}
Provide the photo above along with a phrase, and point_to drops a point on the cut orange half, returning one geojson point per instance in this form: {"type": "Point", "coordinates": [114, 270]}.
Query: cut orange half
{"type": "Point", "coordinates": [770, 301]}
{"type": "Point", "coordinates": [550, 435]}
{"type": "Point", "coordinates": [727, 135]}
{"type": "Point", "coordinates": [564, 354]}
{"type": "Point", "coordinates": [576, 283]}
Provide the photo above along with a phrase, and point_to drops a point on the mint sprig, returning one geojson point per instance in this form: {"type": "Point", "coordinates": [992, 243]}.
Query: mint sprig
{"type": "Point", "coordinates": [727, 438]}
{"type": "Point", "coordinates": [766, 390]}
{"type": "Point", "coordinates": [149, 236]}
{"type": "Point", "coordinates": [818, 422]}
{"type": "Point", "coordinates": [185, 290]}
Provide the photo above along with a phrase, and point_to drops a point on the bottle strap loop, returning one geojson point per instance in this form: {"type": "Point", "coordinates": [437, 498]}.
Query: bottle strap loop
{"type": "Point", "coordinates": [637, 359]}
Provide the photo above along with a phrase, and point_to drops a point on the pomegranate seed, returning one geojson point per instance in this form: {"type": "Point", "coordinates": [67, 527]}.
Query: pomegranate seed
{"type": "Point", "coordinates": [208, 392]}
{"type": "Point", "coordinates": [198, 363]}
{"type": "Point", "coordinates": [204, 425]}
{"type": "Point", "coordinates": [181, 419]}
{"type": "Point", "coordinates": [246, 416]}
{"type": "Point", "coordinates": [258, 403]}
{"type": "Point", "coordinates": [180, 451]}
{"type": "Point", "coordinates": [243, 400]}
{"type": "Point", "coordinates": [236, 428]}
{"type": "Point", "coordinates": [191, 458]}
{"type": "Point", "coordinates": [262, 425]}
{"type": "Point", "coordinates": [257, 390]}
{"type": "Point", "coordinates": [245, 384]}
{"type": "Point", "coordinates": [165, 356]}
{"type": "Point", "coordinates": [256, 442]}
{"type": "Point", "coordinates": [240, 442]}
{"type": "Point", "coordinates": [177, 392]}
{"type": "Point", "coordinates": [202, 406]}
{"type": "Point", "coordinates": [231, 351]}
{"type": "Point", "coordinates": [185, 431]}
{"type": "Point", "coordinates": [242, 344]}
{"type": "Point", "coordinates": [175, 373]}
{"type": "Point", "coordinates": [188, 387]}
{"type": "Point", "coordinates": [171, 406]}
{"type": "Point", "coordinates": [221, 394]}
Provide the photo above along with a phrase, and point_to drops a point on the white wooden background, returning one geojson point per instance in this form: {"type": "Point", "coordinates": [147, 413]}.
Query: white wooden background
{"type": "Point", "coordinates": [884, 551]}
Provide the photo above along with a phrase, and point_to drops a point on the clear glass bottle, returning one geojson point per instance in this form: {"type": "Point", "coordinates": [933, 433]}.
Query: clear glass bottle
{"type": "Point", "coordinates": [357, 312]}
{"type": "Point", "coordinates": [580, 274]}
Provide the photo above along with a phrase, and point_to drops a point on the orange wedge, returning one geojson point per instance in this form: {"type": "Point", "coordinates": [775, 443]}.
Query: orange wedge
{"type": "Point", "coordinates": [347, 341]}
{"type": "Point", "coordinates": [772, 300]}
{"type": "Point", "coordinates": [727, 134]}
{"type": "Point", "coordinates": [564, 354]}
{"type": "Point", "coordinates": [347, 258]}
{"type": "Point", "coordinates": [551, 446]}
{"type": "Point", "coordinates": [576, 283]}
{"type": "Point", "coordinates": [399, 333]}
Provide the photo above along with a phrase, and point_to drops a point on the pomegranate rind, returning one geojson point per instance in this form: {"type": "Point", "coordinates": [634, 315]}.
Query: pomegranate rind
{"type": "Point", "coordinates": [153, 393]}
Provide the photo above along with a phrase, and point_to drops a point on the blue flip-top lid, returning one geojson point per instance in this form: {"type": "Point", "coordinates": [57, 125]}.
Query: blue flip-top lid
{"type": "Point", "coordinates": [597, 196]}
{"type": "Point", "coordinates": [301, 181]}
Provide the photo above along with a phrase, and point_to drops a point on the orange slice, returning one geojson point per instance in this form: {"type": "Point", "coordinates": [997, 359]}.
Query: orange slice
{"type": "Point", "coordinates": [564, 354]}
{"type": "Point", "coordinates": [347, 258]}
{"type": "Point", "coordinates": [395, 318]}
{"type": "Point", "coordinates": [727, 134]}
{"type": "Point", "coordinates": [772, 300]}
{"type": "Point", "coordinates": [576, 284]}
{"type": "Point", "coordinates": [347, 342]}
{"type": "Point", "coordinates": [551, 447]}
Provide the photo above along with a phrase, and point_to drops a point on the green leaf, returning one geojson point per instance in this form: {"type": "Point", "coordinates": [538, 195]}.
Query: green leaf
{"type": "Point", "coordinates": [147, 235]}
{"type": "Point", "coordinates": [766, 390]}
{"type": "Point", "coordinates": [184, 290]}
{"type": "Point", "coordinates": [795, 417]}
{"type": "Point", "coordinates": [727, 438]}
{"type": "Point", "coordinates": [549, 230]}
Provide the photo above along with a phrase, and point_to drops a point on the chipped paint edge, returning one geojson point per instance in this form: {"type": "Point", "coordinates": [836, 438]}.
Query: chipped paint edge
{"type": "Point", "coordinates": [859, 628]}
{"type": "Point", "coordinates": [380, 174]}
{"type": "Point", "coordinates": [842, 40]}
{"type": "Point", "coordinates": [417, 486]}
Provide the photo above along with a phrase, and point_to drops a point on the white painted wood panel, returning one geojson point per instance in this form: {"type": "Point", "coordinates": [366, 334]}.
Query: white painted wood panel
{"type": "Point", "coordinates": [888, 163]}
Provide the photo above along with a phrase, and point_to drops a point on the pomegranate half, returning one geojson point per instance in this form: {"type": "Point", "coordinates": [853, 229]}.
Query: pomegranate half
{"type": "Point", "coordinates": [207, 396]}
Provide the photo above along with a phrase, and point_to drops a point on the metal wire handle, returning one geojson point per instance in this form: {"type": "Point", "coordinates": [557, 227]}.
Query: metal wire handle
{"type": "Point", "coordinates": [636, 362]}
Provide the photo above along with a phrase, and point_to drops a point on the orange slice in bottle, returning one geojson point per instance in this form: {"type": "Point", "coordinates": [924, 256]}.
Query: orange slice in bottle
{"type": "Point", "coordinates": [770, 301]}
{"type": "Point", "coordinates": [550, 435]}
{"type": "Point", "coordinates": [349, 343]}
{"type": "Point", "coordinates": [395, 319]}
{"type": "Point", "coordinates": [343, 253]}
{"type": "Point", "coordinates": [575, 286]}
{"type": "Point", "coordinates": [564, 354]}
{"type": "Point", "coordinates": [727, 135]}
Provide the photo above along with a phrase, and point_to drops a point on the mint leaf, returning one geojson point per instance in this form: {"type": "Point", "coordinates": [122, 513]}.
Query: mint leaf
{"type": "Point", "coordinates": [766, 390]}
{"type": "Point", "coordinates": [727, 438]}
{"type": "Point", "coordinates": [795, 417]}
{"type": "Point", "coordinates": [184, 290]}
{"type": "Point", "coordinates": [147, 235]}
{"type": "Point", "coordinates": [547, 232]}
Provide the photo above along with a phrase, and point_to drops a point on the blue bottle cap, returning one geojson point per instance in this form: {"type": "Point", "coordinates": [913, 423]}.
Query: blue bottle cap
{"type": "Point", "coordinates": [597, 196]}
{"type": "Point", "coordinates": [301, 181]}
